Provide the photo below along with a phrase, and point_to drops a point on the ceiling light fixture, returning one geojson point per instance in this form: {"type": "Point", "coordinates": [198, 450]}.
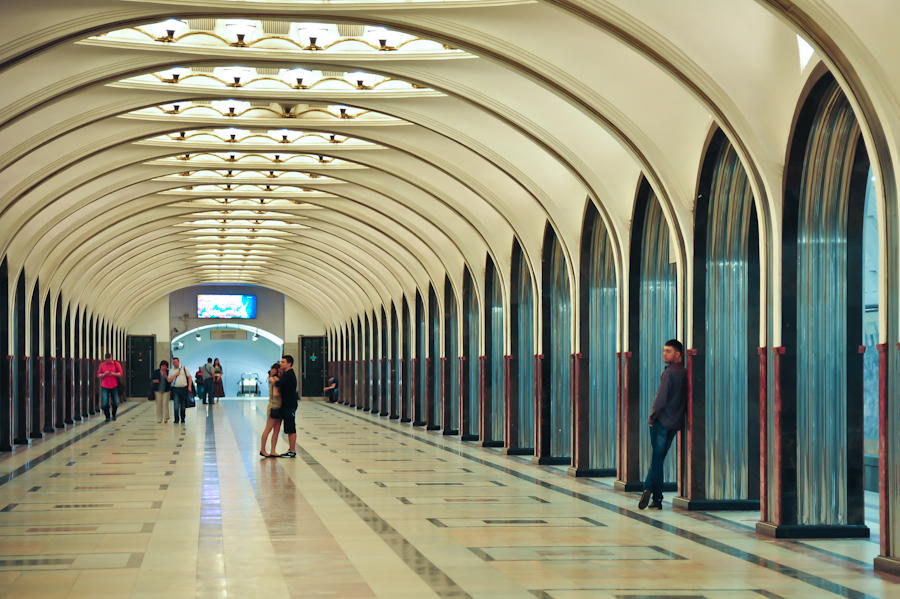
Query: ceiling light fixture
{"type": "Point", "coordinates": [387, 40]}
{"type": "Point", "coordinates": [170, 26]}
{"type": "Point", "coordinates": [314, 32]}
{"type": "Point", "coordinates": [363, 80]}
{"type": "Point", "coordinates": [232, 106]}
{"type": "Point", "coordinates": [299, 75]}
{"type": "Point", "coordinates": [197, 336]}
{"type": "Point", "coordinates": [174, 74]}
{"type": "Point", "coordinates": [241, 28]}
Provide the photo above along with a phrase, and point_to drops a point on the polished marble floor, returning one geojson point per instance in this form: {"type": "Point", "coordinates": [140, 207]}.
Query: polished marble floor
{"type": "Point", "coordinates": [370, 508]}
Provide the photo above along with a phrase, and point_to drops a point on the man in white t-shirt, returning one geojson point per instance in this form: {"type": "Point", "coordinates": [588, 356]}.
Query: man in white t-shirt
{"type": "Point", "coordinates": [182, 383]}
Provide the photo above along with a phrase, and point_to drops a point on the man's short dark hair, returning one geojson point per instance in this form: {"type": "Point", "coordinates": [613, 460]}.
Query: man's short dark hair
{"type": "Point", "coordinates": [676, 345]}
{"type": "Point", "coordinates": [288, 358]}
{"type": "Point", "coordinates": [164, 363]}
{"type": "Point", "coordinates": [208, 360]}
{"type": "Point", "coordinates": [107, 356]}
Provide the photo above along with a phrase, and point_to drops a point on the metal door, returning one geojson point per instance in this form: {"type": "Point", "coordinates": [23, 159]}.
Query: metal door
{"type": "Point", "coordinates": [141, 363]}
{"type": "Point", "coordinates": [312, 368]}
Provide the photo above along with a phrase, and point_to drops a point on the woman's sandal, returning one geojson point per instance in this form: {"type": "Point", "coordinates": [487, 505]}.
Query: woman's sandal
{"type": "Point", "coordinates": [265, 455]}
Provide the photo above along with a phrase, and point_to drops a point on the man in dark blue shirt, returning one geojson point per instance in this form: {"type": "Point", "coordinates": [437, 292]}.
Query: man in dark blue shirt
{"type": "Point", "coordinates": [287, 386]}
{"type": "Point", "coordinates": [666, 419]}
{"type": "Point", "coordinates": [331, 391]}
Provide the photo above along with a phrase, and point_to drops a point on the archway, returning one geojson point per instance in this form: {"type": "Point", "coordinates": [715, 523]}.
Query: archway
{"type": "Point", "coordinates": [240, 348]}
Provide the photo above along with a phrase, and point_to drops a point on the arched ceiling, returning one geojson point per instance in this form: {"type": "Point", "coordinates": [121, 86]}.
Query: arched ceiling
{"type": "Point", "coordinates": [349, 153]}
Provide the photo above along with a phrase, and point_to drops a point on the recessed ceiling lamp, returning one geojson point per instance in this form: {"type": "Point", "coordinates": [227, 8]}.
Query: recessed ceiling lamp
{"type": "Point", "coordinates": [197, 336]}
{"type": "Point", "coordinates": [256, 336]}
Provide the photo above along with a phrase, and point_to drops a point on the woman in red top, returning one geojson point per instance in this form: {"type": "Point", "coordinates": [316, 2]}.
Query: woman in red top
{"type": "Point", "coordinates": [109, 374]}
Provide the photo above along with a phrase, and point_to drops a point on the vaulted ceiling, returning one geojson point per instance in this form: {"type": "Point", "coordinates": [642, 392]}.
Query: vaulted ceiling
{"type": "Point", "coordinates": [349, 153]}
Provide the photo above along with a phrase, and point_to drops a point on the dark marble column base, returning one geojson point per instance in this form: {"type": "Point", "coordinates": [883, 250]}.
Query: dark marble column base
{"type": "Point", "coordinates": [360, 407]}
{"type": "Point", "coordinates": [628, 487]}
{"type": "Point", "coordinates": [433, 427]}
{"type": "Point", "coordinates": [492, 444]}
{"type": "Point", "coordinates": [591, 472]}
{"type": "Point", "coordinates": [385, 414]}
{"type": "Point", "coordinates": [451, 433]}
{"type": "Point", "coordinates": [5, 447]}
{"type": "Point", "coordinates": [794, 531]}
{"type": "Point", "coordinates": [634, 487]}
{"type": "Point", "coordinates": [469, 437]}
{"type": "Point", "coordinates": [405, 420]}
{"type": "Point", "coordinates": [419, 423]}
{"type": "Point", "coordinates": [716, 505]}
{"type": "Point", "coordinates": [888, 565]}
{"type": "Point", "coordinates": [551, 461]}
{"type": "Point", "coordinates": [519, 451]}
{"type": "Point", "coordinates": [68, 421]}
{"type": "Point", "coordinates": [20, 441]}
{"type": "Point", "coordinates": [393, 416]}
{"type": "Point", "coordinates": [49, 429]}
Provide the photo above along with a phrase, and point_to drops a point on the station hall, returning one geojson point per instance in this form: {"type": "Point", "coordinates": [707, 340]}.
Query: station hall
{"type": "Point", "coordinates": [456, 299]}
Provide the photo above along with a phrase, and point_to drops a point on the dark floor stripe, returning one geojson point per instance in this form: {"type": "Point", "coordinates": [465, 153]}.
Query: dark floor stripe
{"type": "Point", "coordinates": [434, 577]}
{"type": "Point", "coordinates": [35, 461]}
{"type": "Point", "coordinates": [210, 546]}
{"type": "Point", "coordinates": [811, 579]}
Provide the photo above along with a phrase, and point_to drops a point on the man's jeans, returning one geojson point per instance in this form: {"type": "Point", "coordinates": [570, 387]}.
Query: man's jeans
{"type": "Point", "coordinates": [179, 402]}
{"type": "Point", "coordinates": [660, 441]}
{"type": "Point", "coordinates": [108, 395]}
{"type": "Point", "coordinates": [207, 392]}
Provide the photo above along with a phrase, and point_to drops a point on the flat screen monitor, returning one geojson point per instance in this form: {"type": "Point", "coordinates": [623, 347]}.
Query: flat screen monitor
{"type": "Point", "coordinates": [226, 306]}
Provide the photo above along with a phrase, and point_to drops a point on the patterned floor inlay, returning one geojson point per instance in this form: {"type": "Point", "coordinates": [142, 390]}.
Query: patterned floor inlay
{"type": "Point", "coordinates": [371, 508]}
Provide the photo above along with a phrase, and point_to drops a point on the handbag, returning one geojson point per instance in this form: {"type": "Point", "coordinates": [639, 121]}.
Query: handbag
{"type": "Point", "coordinates": [189, 402]}
{"type": "Point", "coordinates": [152, 396]}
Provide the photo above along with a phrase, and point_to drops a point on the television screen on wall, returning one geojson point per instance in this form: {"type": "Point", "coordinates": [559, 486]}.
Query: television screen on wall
{"type": "Point", "coordinates": [226, 306]}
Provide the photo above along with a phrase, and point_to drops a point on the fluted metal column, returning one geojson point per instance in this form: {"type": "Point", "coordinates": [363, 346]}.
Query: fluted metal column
{"type": "Point", "coordinates": [602, 371]}
{"type": "Point", "coordinates": [658, 321]}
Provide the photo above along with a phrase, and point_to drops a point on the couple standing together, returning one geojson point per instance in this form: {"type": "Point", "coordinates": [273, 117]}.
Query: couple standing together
{"type": "Point", "coordinates": [176, 382]}
{"type": "Point", "coordinates": [282, 408]}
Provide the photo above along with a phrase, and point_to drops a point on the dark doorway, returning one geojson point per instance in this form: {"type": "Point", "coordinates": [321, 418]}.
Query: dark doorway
{"type": "Point", "coordinates": [312, 367]}
{"type": "Point", "coordinates": [141, 363]}
{"type": "Point", "coordinates": [20, 382]}
{"type": "Point", "coordinates": [6, 420]}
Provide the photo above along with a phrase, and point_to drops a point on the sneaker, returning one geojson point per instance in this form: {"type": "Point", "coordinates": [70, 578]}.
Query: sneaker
{"type": "Point", "coordinates": [107, 419]}
{"type": "Point", "coordinates": [656, 505]}
{"type": "Point", "coordinates": [645, 499]}
{"type": "Point", "coordinates": [290, 454]}
{"type": "Point", "coordinates": [114, 416]}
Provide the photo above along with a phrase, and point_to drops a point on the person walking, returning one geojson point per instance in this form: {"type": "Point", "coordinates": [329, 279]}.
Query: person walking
{"type": "Point", "coordinates": [109, 374]}
{"type": "Point", "coordinates": [287, 386]}
{"type": "Point", "coordinates": [163, 390]}
{"type": "Point", "coordinates": [182, 384]}
{"type": "Point", "coordinates": [273, 414]}
{"type": "Point", "coordinates": [666, 419]}
{"type": "Point", "coordinates": [207, 376]}
{"type": "Point", "coordinates": [218, 385]}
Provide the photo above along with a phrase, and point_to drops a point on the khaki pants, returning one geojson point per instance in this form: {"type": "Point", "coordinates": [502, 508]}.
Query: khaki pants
{"type": "Point", "coordinates": [162, 404]}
